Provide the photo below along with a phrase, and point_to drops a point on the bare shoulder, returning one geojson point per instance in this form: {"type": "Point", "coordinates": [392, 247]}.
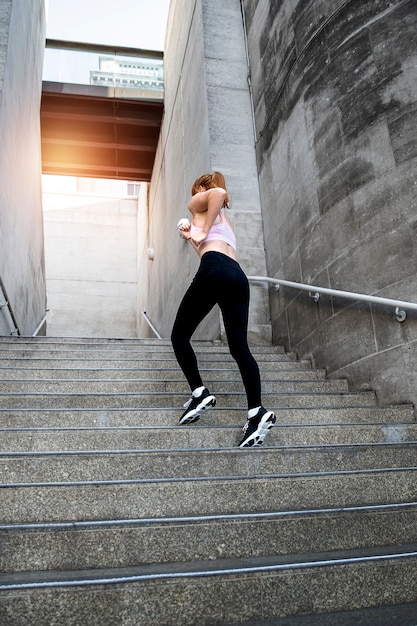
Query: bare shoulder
{"type": "Point", "coordinates": [200, 201]}
{"type": "Point", "coordinates": [217, 191]}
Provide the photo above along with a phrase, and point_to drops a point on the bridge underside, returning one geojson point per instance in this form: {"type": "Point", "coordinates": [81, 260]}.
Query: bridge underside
{"type": "Point", "coordinates": [96, 132]}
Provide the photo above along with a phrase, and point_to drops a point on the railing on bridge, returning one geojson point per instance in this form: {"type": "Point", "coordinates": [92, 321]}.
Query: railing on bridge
{"type": "Point", "coordinates": [138, 72]}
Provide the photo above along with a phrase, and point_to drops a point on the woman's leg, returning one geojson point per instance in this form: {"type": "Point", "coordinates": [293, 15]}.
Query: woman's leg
{"type": "Point", "coordinates": [196, 304]}
{"type": "Point", "coordinates": [235, 308]}
{"type": "Point", "coordinates": [234, 305]}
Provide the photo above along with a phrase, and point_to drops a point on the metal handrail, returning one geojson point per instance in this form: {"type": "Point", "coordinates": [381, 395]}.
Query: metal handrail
{"type": "Point", "coordinates": [314, 291]}
{"type": "Point", "coordinates": [41, 323]}
{"type": "Point", "coordinates": [8, 311]}
{"type": "Point", "coordinates": [5, 308]}
{"type": "Point", "coordinates": [145, 315]}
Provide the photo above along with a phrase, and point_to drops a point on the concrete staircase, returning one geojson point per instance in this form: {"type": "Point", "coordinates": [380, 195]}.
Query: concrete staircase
{"type": "Point", "coordinates": [111, 514]}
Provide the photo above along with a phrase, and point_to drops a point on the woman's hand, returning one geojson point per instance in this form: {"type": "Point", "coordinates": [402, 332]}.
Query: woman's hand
{"type": "Point", "coordinates": [184, 231]}
{"type": "Point", "coordinates": [184, 228]}
{"type": "Point", "coordinates": [198, 237]}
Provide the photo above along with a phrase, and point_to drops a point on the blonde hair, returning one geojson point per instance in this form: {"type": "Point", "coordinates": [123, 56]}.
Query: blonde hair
{"type": "Point", "coordinates": [211, 181]}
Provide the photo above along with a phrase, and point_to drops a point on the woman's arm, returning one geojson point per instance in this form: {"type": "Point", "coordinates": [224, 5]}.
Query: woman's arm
{"type": "Point", "coordinates": [185, 228]}
{"type": "Point", "coordinates": [208, 203]}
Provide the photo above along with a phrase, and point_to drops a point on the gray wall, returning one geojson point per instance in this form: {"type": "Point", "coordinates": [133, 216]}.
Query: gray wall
{"type": "Point", "coordinates": [91, 242]}
{"type": "Point", "coordinates": [22, 40]}
{"type": "Point", "coordinates": [335, 96]}
{"type": "Point", "coordinates": [207, 125]}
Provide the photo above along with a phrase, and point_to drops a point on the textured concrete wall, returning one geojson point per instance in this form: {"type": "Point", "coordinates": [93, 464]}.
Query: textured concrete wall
{"type": "Point", "coordinates": [207, 125]}
{"type": "Point", "coordinates": [183, 152]}
{"type": "Point", "coordinates": [91, 264]}
{"type": "Point", "coordinates": [335, 93]}
{"type": "Point", "coordinates": [22, 37]}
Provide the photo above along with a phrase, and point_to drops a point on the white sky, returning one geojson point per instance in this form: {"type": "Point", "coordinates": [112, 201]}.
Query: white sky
{"type": "Point", "coordinates": [131, 23]}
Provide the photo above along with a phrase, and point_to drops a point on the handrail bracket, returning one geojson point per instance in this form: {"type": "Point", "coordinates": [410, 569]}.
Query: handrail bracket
{"type": "Point", "coordinates": [400, 314]}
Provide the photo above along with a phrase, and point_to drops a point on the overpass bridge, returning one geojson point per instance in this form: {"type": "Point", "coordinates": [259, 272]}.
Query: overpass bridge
{"type": "Point", "coordinates": [101, 123]}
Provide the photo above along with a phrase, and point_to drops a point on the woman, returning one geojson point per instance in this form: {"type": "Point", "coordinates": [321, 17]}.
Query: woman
{"type": "Point", "coordinates": [219, 280]}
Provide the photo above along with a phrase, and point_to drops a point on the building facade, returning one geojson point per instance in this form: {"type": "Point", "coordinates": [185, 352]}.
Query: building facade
{"type": "Point", "coordinates": [129, 73]}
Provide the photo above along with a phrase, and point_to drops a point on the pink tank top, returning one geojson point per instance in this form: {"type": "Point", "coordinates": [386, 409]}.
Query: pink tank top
{"type": "Point", "coordinates": [218, 232]}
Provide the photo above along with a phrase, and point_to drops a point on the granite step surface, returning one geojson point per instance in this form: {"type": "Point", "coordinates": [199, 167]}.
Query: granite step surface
{"type": "Point", "coordinates": [118, 386]}
{"type": "Point", "coordinates": [144, 355]}
{"type": "Point", "coordinates": [131, 542]}
{"type": "Point", "coordinates": [143, 498]}
{"type": "Point", "coordinates": [392, 419]}
{"type": "Point", "coordinates": [139, 364]}
{"type": "Point", "coordinates": [94, 343]}
{"type": "Point", "coordinates": [210, 592]}
{"type": "Point", "coordinates": [194, 436]}
{"type": "Point", "coordinates": [113, 464]}
{"type": "Point", "coordinates": [269, 373]}
{"type": "Point", "coordinates": [140, 400]}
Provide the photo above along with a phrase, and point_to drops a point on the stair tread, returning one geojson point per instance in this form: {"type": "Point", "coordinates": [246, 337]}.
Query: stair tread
{"type": "Point", "coordinates": [30, 466]}
{"type": "Point", "coordinates": [122, 543]}
{"type": "Point", "coordinates": [222, 478]}
{"type": "Point", "coordinates": [220, 436]}
{"type": "Point", "coordinates": [232, 451]}
{"type": "Point", "coordinates": [399, 614]}
{"type": "Point", "coordinates": [123, 386]}
{"type": "Point", "coordinates": [208, 567]}
{"type": "Point", "coordinates": [392, 418]}
{"type": "Point", "coordinates": [204, 519]}
{"type": "Point", "coordinates": [87, 500]}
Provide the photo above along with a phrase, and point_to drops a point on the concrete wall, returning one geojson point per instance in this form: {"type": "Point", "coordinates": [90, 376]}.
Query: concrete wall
{"type": "Point", "coordinates": [335, 94]}
{"type": "Point", "coordinates": [207, 126]}
{"type": "Point", "coordinates": [177, 163]}
{"type": "Point", "coordinates": [91, 244]}
{"type": "Point", "coordinates": [22, 37]}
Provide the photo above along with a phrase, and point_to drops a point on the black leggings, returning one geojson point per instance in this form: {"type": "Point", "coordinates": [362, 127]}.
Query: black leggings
{"type": "Point", "coordinates": [219, 280]}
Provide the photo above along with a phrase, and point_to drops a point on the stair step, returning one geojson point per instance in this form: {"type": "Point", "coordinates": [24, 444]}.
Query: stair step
{"type": "Point", "coordinates": [91, 343]}
{"type": "Point", "coordinates": [72, 546]}
{"type": "Point", "coordinates": [290, 373]}
{"type": "Point", "coordinates": [213, 592]}
{"type": "Point", "coordinates": [150, 355]}
{"type": "Point", "coordinates": [171, 399]}
{"type": "Point", "coordinates": [194, 436]}
{"type": "Point", "coordinates": [113, 464]}
{"type": "Point", "coordinates": [97, 341]}
{"type": "Point", "coordinates": [152, 386]}
{"type": "Point", "coordinates": [140, 364]}
{"type": "Point", "coordinates": [216, 364]}
{"type": "Point", "coordinates": [391, 418]}
{"type": "Point", "coordinates": [81, 501]}
{"type": "Point", "coordinates": [400, 614]}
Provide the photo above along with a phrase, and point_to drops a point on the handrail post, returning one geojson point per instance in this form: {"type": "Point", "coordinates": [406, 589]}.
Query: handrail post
{"type": "Point", "coordinates": [8, 312]}
{"type": "Point", "coordinates": [145, 315]}
{"type": "Point", "coordinates": [4, 306]}
{"type": "Point", "coordinates": [41, 323]}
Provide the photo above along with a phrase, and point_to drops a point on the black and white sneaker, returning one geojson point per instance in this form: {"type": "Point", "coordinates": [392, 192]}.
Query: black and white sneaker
{"type": "Point", "coordinates": [196, 406]}
{"type": "Point", "coordinates": [256, 428]}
